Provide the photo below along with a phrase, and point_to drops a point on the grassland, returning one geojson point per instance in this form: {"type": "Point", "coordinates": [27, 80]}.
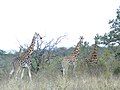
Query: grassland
{"type": "Point", "coordinates": [49, 77]}
{"type": "Point", "coordinates": [48, 82]}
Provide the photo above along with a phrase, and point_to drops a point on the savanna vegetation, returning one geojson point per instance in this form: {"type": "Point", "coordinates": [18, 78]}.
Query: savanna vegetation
{"type": "Point", "coordinates": [47, 71]}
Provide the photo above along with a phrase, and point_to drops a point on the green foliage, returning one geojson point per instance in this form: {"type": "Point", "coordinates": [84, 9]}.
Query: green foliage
{"type": "Point", "coordinates": [117, 56]}
{"type": "Point", "coordinates": [55, 65]}
{"type": "Point", "coordinates": [116, 70]}
{"type": "Point", "coordinates": [62, 51]}
{"type": "Point", "coordinates": [101, 61]}
{"type": "Point", "coordinates": [117, 53]}
{"type": "Point", "coordinates": [34, 65]}
{"type": "Point", "coordinates": [113, 37]}
{"type": "Point", "coordinates": [106, 54]}
{"type": "Point", "coordinates": [114, 67]}
{"type": "Point", "coordinates": [84, 51]}
{"type": "Point", "coordinates": [2, 52]}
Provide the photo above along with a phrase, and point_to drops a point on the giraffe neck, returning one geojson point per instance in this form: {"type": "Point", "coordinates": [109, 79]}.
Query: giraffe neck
{"type": "Point", "coordinates": [30, 49]}
{"type": "Point", "coordinates": [94, 53]}
{"type": "Point", "coordinates": [76, 51]}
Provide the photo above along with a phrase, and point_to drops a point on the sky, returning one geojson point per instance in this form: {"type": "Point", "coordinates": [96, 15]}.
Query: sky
{"type": "Point", "coordinates": [20, 19]}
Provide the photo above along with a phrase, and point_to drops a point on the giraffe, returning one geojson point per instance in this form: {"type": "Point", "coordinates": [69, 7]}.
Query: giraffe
{"type": "Point", "coordinates": [23, 60]}
{"type": "Point", "coordinates": [93, 57]}
{"type": "Point", "coordinates": [92, 61]}
{"type": "Point", "coordinates": [72, 58]}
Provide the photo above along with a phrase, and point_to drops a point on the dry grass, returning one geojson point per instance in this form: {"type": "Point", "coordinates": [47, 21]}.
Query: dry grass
{"type": "Point", "coordinates": [61, 83]}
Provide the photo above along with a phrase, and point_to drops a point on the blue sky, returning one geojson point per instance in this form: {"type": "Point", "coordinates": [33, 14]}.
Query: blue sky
{"type": "Point", "coordinates": [19, 19]}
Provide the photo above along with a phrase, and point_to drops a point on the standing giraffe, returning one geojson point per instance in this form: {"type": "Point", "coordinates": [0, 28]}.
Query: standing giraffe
{"type": "Point", "coordinates": [92, 61]}
{"type": "Point", "coordinates": [23, 60]}
{"type": "Point", "coordinates": [93, 57]}
{"type": "Point", "coordinates": [72, 59]}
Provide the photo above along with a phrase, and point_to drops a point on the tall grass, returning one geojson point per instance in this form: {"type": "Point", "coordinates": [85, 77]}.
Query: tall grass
{"type": "Point", "coordinates": [48, 82]}
{"type": "Point", "coordinates": [50, 78]}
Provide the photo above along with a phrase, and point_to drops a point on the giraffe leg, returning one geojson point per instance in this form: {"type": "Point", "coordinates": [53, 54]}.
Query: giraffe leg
{"type": "Point", "coordinates": [22, 74]}
{"type": "Point", "coordinates": [17, 72]}
{"type": "Point", "coordinates": [65, 68]}
{"type": "Point", "coordinates": [29, 72]}
{"type": "Point", "coordinates": [65, 71]}
{"type": "Point", "coordinates": [12, 71]}
{"type": "Point", "coordinates": [74, 68]}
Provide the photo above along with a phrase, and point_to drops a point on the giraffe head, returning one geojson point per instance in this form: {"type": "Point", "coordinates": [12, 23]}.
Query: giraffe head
{"type": "Point", "coordinates": [36, 35]}
{"type": "Point", "coordinates": [81, 39]}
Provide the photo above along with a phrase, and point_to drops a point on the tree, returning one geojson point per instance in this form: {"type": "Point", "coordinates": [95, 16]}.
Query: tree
{"type": "Point", "coordinates": [112, 39]}
{"type": "Point", "coordinates": [45, 53]}
{"type": "Point", "coordinates": [2, 52]}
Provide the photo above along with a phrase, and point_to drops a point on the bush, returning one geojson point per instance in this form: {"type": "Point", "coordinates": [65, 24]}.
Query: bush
{"type": "Point", "coordinates": [116, 71]}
